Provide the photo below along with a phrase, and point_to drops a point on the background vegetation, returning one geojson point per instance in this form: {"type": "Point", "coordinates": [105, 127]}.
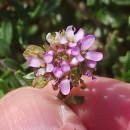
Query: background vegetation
{"type": "Point", "coordinates": [24, 22]}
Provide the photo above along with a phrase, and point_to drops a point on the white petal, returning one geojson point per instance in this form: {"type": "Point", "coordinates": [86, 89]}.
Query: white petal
{"type": "Point", "coordinates": [79, 35]}
{"type": "Point", "coordinates": [71, 44]}
{"type": "Point", "coordinates": [63, 40]}
{"type": "Point", "coordinates": [57, 37]}
{"type": "Point", "coordinates": [69, 32]}
{"type": "Point", "coordinates": [49, 37]}
{"type": "Point", "coordinates": [40, 72]}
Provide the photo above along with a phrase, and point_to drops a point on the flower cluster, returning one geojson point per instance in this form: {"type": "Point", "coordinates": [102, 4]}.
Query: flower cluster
{"type": "Point", "coordinates": [64, 60]}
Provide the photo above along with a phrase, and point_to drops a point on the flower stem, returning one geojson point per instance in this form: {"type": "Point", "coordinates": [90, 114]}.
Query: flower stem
{"type": "Point", "coordinates": [61, 96]}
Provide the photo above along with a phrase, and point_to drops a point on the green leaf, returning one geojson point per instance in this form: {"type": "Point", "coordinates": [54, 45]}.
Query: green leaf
{"type": "Point", "coordinates": [91, 2]}
{"type": "Point", "coordinates": [43, 8]}
{"type": "Point", "coordinates": [129, 21]}
{"type": "Point", "coordinates": [24, 66]}
{"type": "Point", "coordinates": [109, 18]}
{"type": "Point", "coordinates": [19, 76]}
{"type": "Point", "coordinates": [122, 2]}
{"type": "Point", "coordinates": [13, 82]}
{"type": "Point", "coordinates": [32, 29]}
{"type": "Point", "coordinates": [11, 64]}
{"type": "Point", "coordinates": [1, 93]}
{"type": "Point", "coordinates": [107, 2]}
{"type": "Point", "coordinates": [4, 86]}
{"type": "Point", "coordinates": [4, 48]}
{"type": "Point", "coordinates": [7, 31]}
{"type": "Point", "coordinates": [37, 10]}
{"type": "Point", "coordinates": [125, 60]}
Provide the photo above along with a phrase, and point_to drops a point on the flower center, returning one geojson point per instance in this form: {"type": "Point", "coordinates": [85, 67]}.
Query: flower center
{"type": "Point", "coordinates": [43, 65]}
{"type": "Point", "coordinates": [71, 40]}
{"type": "Point", "coordinates": [53, 38]}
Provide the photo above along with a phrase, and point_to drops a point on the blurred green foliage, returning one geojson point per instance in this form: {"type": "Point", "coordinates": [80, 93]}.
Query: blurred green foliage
{"type": "Point", "coordinates": [24, 22]}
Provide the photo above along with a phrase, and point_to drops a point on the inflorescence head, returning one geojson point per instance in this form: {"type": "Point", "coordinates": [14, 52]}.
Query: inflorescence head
{"type": "Point", "coordinates": [64, 60]}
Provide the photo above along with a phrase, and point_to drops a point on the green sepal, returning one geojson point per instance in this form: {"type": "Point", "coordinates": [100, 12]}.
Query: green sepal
{"type": "Point", "coordinates": [32, 51]}
{"type": "Point", "coordinates": [76, 72]}
{"type": "Point", "coordinates": [40, 82]}
{"type": "Point", "coordinates": [29, 76]}
{"type": "Point", "coordinates": [74, 100]}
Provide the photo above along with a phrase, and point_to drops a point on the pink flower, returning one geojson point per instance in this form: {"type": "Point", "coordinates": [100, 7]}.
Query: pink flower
{"type": "Point", "coordinates": [65, 60]}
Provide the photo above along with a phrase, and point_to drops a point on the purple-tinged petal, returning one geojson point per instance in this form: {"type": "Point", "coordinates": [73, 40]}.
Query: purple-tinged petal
{"type": "Point", "coordinates": [93, 78]}
{"type": "Point", "coordinates": [88, 73]}
{"type": "Point", "coordinates": [75, 51]}
{"type": "Point", "coordinates": [65, 86]}
{"type": "Point", "coordinates": [63, 40]}
{"type": "Point", "coordinates": [34, 62]}
{"type": "Point", "coordinates": [72, 44]}
{"type": "Point", "coordinates": [65, 68]}
{"type": "Point", "coordinates": [49, 67]}
{"type": "Point", "coordinates": [69, 32]}
{"type": "Point", "coordinates": [79, 35]}
{"type": "Point", "coordinates": [60, 50]}
{"type": "Point", "coordinates": [40, 72]}
{"type": "Point", "coordinates": [51, 52]}
{"type": "Point", "coordinates": [57, 60]}
{"type": "Point", "coordinates": [91, 64]}
{"type": "Point", "coordinates": [58, 73]}
{"type": "Point", "coordinates": [64, 62]}
{"type": "Point", "coordinates": [68, 52]}
{"type": "Point", "coordinates": [79, 58]}
{"type": "Point", "coordinates": [74, 62]}
{"type": "Point", "coordinates": [94, 56]}
{"type": "Point", "coordinates": [48, 58]}
{"type": "Point", "coordinates": [87, 42]}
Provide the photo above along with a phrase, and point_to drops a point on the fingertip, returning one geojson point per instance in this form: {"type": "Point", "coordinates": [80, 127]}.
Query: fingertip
{"type": "Point", "coordinates": [30, 108]}
{"type": "Point", "coordinates": [106, 105]}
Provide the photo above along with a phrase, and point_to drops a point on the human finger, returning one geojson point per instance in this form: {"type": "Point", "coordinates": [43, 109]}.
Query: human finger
{"type": "Point", "coordinates": [106, 106]}
{"type": "Point", "coordinates": [34, 109]}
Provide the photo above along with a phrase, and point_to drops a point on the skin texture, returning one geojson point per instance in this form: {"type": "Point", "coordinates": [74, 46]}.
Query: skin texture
{"type": "Point", "coordinates": [106, 107]}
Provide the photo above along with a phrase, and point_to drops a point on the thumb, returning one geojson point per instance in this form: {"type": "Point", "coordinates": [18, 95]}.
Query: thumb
{"type": "Point", "coordinates": [33, 109]}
